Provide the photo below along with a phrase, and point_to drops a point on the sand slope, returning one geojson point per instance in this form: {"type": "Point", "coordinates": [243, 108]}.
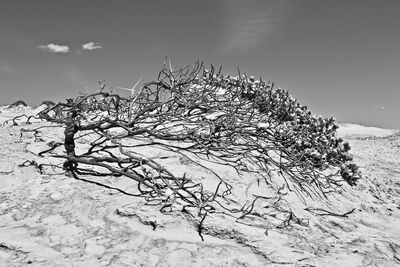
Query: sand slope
{"type": "Point", "coordinates": [55, 220]}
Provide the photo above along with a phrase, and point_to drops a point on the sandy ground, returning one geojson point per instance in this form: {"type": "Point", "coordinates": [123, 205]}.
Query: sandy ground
{"type": "Point", "coordinates": [55, 220]}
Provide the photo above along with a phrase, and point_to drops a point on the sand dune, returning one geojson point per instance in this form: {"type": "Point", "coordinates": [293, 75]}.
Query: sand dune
{"type": "Point", "coordinates": [351, 129]}
{"type": "Point", "coordinates": [55, 220]}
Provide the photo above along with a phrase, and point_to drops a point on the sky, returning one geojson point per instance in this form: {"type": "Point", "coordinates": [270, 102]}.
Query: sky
{"type": "Point", "coordinates": [341, 58]}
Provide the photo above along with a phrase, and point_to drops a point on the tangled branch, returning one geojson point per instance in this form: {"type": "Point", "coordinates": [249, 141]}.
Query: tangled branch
{"type": "Point", "coordinates": [239, 122]}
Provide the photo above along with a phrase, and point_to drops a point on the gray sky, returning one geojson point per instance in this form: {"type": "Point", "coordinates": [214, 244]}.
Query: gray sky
{"type": "Point", "coordinates": [339, 57]}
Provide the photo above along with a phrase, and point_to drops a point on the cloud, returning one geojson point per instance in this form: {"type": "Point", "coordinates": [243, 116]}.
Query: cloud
{"type": "Point", "coordinates": [379, 107]}
{"type": "Point", "coordinates": [54, 48]}
{"type": "Point", "coordinates": [91, 46]}
{"type": "Point", "coordinates": [247, 26]}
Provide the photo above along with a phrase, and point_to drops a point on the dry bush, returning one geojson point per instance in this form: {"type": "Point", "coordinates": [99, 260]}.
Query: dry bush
{"type": "Point", "coordinates": [239, 121]}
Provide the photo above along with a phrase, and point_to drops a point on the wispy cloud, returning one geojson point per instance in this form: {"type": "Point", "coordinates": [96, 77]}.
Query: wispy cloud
{"type": "Point", "coordinates": [54, 48]}
{"type": "Point", "coordinates": [91, 46]}
{"type": "Point", "coordinates": [249, 25]}
{"type": "Point", "coordinates": [379, 107]}
{"type": "Point", "coordinates": [5, 68]}
{"type": "Point", "coordinates": [249, 33]}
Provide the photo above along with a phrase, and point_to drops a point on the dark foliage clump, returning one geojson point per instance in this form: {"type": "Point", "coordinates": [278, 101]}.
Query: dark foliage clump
{"type": "Point", "coordinates": [17, 104]}
{"type": "Point", "coordinates": [47, 103]}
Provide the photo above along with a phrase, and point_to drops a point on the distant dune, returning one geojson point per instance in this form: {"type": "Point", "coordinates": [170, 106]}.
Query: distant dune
{"type": "Point", "coordinates": [351, 129]}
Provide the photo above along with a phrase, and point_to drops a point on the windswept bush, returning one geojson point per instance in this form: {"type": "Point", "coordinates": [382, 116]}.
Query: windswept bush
{"type": "Point", "coordinates": [232, 121]}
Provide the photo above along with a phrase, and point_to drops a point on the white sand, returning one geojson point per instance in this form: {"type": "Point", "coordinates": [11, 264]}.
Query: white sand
{"type": "Point", "coordinates": [54, 220]}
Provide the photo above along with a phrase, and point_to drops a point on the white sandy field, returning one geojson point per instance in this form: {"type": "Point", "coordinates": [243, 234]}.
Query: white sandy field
{"type": "Point", "coordinates": [56, 220]}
